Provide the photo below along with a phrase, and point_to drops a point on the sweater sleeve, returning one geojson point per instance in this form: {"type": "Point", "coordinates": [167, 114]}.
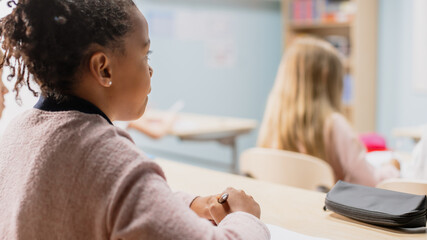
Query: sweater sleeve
{"type": "Point", "coordinates": [143, 207]}
{"type": "Point", "coordinates": [351, 155]}
{"type": "Point", "coordinates": [185, 197]}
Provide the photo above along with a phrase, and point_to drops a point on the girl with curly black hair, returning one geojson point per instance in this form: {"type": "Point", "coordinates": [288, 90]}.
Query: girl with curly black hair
{"type": "Point", "coordinates": [65, 171]}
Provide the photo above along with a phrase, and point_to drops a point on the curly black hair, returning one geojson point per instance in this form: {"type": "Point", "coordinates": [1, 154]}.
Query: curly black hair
{"type": "Point", "coordinates": [48, 40]}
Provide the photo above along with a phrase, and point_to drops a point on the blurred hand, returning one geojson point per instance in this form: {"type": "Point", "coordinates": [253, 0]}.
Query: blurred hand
{"type": "Point", "coordinates": [155, 128]}
{"type": "Point", "coordinates": [238, 201]}
{"type": "Point", "coordinates": [394, 162]}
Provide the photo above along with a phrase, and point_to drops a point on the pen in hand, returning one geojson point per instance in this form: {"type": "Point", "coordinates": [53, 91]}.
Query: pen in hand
{"type": "Point", "coordinates": [223, 198]}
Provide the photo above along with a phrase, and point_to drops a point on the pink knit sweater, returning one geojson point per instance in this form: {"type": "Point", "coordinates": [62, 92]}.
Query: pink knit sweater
{"type": "Point", "coordinates": [347, 155]}
{"type": "Point", "coordinates": [71, 175]}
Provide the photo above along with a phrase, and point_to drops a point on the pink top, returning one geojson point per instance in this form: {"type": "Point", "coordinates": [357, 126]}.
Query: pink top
{"type": "Point", "coordinates": [347, 155]}
{"type": "Point", "coordinates": [71, 175]}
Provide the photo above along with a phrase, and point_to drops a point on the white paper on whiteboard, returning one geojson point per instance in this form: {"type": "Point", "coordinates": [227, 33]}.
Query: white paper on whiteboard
{"type": "Point", "coordinates": [202, 25]}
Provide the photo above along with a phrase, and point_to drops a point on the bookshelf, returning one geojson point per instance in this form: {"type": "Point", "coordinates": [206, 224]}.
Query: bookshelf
{"type": "Point", "coordinates": [318, 25]}
{"type": "Point", "coordinates": [351, 25]}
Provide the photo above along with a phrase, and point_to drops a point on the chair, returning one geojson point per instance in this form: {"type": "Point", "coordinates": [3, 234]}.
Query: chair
{"type": "Point", "coordinates": [413, 186]}
{"type": "Point", "coordinates": [288, 168]}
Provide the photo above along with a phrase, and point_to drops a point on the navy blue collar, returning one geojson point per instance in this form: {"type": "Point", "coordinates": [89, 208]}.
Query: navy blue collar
{"type": "Point", "coordinates": [71, 103]}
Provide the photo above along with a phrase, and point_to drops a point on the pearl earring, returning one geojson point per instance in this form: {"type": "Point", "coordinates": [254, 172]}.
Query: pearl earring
{"type": "Point", "coordinates": [109, 83]}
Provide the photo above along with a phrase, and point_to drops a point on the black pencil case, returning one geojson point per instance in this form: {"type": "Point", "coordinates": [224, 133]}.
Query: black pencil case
{"type": "Point", "coordinates": [377, 206]}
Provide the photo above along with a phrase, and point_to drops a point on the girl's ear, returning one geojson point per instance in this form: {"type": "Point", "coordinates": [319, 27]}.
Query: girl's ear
{"type": "Point", "coordinates": [100, 68]}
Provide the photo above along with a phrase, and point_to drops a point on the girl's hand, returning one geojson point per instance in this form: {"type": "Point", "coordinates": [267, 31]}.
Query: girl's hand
{"type": "Point", "coordinates": [201, 205]}
{"type": "Point", "coordinates": [238, 201]}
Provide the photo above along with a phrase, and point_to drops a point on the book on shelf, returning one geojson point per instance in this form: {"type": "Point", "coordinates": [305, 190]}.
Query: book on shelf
{"type": "Point", "coordinates": [322, 11]}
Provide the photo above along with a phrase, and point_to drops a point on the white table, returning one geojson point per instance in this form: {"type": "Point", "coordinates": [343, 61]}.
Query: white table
{"type": "Point", "coordinates": [414, 132]}
{"type": "Point", "coordinates": [197, 127]}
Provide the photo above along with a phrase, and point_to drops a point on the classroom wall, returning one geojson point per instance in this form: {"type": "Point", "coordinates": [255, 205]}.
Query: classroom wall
{"type": "Point", "coordinates": [399, 103]}
{"type": "Point", "coordinates": [220, 58]}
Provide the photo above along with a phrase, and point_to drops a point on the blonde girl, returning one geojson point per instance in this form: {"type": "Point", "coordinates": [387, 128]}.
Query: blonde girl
{"type": "Point", "coordinates": [303, 113]}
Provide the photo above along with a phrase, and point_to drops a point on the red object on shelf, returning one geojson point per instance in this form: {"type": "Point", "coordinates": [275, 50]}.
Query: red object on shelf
{"type": "Point", "coordinates": [373, 142]}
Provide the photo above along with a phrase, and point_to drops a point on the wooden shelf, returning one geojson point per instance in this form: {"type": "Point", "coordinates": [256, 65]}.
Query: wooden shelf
{"type": "Point", "coordinates": [296, 26]}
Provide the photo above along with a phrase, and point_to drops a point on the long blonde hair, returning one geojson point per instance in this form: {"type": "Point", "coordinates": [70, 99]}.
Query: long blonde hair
{"type": "Point", "coordinates": [308, 88]}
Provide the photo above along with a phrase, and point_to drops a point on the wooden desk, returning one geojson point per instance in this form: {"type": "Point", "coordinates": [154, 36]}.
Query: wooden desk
{"type": "Point", "coordinates": [294, 209]}
{"type": "Point", "coordinates": [196, 127]}
{"type": "Point", "coordinates": [410, 132]}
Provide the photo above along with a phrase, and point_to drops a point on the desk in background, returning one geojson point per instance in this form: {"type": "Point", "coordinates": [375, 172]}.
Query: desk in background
{"type": "Point", "coordinates": [414, 133]}
{"type": "Point", "coordinates": [196, 127]}
{"type": "Point", "coordinates": [291, 208]}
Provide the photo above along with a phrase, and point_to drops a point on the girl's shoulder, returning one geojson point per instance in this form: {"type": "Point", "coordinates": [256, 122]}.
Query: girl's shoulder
{"type": "Point", "coordinates": [338, 121]}
{"type": "Point", "coordinates": [73, 131]}
{"type": "Point", "coordinates": [98, 146]}
{"type": "Point", "coordinates": [337, 125]}
{"type": "Point", "coordinates": [337, 117]}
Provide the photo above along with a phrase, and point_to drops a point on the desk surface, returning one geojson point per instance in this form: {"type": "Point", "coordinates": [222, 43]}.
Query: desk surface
{"type": "Point", "coordinates": [410, 132]}
{"type": "Point", "coordinates": [189, 124]}
{"type": "Point", "coordinates": [294, 209]}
